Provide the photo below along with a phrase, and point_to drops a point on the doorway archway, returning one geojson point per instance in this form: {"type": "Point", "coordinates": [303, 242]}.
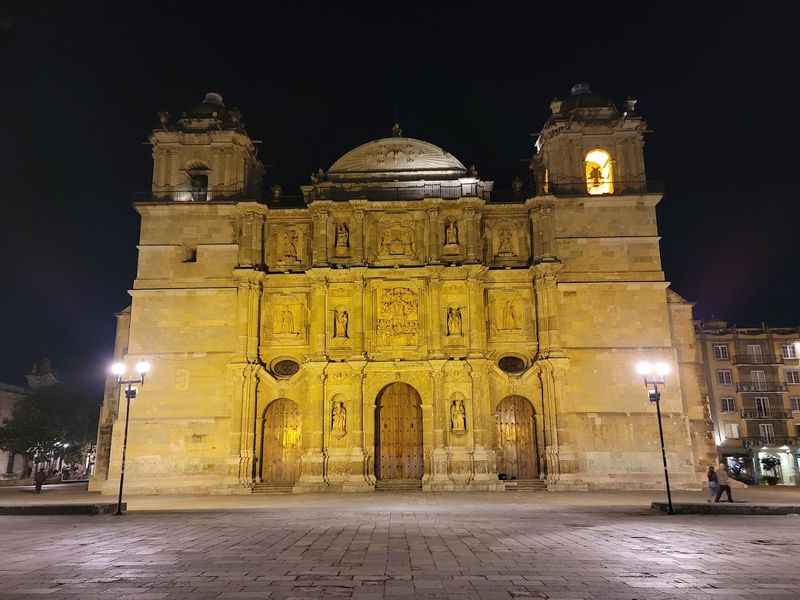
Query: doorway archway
{"type": "Point", "coordinates": [398, 433]}
{"type": "Point", "coordinates": [280, 442]}
{"type": "Point", "coordinates": [517, 453]}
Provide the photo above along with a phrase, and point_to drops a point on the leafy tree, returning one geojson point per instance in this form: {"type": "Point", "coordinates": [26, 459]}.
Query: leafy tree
{"type": "Point", "coordinates": [51, 422]}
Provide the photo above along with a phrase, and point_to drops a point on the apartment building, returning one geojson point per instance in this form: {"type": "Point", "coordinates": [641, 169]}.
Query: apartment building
{"type": "Point", "coordinates": [753, 378]}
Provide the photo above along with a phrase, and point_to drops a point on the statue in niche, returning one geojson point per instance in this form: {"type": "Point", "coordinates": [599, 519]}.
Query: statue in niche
{"type": "Point", "coordinates": [285, 321]}
{"type": "Point", "coordinates": [458, 416]}
{"type": "Point", "coordinates": [338, 419]}
{"type": "Point", "coordinates": [342, 236]}
{"type": "Point", "coordinates": [340, 323]}
{"type": "Point", "coordinates": [510, 319]}
{"type": "Point", "coordinates": [506, 245]}
{"type": "Point", "coordinates": [451, 233]}
{"type": "Point", "coordinates": [290, 243]}
{"type": "Point", "coordinates": [454, 322]}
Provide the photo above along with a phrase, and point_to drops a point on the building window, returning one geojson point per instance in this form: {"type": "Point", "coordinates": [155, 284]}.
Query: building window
{"type": "Point", "coordinates": [767, 433]}
{"type": "Point", "coordinates": [724, 377]}
{"type": "Point", "coordinates": [788, 351]}
{"type": "Point", "coordinates": [199, 187]}
{"type": "Point", "coordinates": [795, 402]}
{"type": "Point", "coordinates": [721, 352]}
{"type": "Point", "coordinates": [730, 430]}
{"type": "Point", "coordinates": [599, 173]}
{"type": "Point", "coordinates": [728, 404]}
{"type": "Point", "coordinates": [793, 376]}
{"type": "Point", "coordinates": [762, 406]}
{"type": "Point", "coordinates": [759, 379]}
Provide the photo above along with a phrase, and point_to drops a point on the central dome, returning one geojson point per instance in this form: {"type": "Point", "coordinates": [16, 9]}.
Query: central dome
{"type": "Point", "coordinates": [396, 158]}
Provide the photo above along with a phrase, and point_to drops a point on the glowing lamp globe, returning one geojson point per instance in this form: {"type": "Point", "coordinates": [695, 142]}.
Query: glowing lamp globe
{"type": "Point", "coordinates": [142, 367]}
{"type": "Point", "coordinates": [118, 369]}
{"type": "Point", "coordinates": [644, 368]}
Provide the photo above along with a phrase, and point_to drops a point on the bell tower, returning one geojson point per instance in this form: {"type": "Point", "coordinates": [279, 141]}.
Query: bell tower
{"type": "Point", "coordinates": [205, 155]}
{"type": "Point", "coordinates": [587, 147]}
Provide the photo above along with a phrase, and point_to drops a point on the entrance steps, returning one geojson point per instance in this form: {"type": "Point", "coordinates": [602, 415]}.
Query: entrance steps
{"type": "Point", "coordinates": [526, 485]}
{"type": "Point", "coordinates": [398, 485]}
{"type": "Point", "coordinates": [272, 487]}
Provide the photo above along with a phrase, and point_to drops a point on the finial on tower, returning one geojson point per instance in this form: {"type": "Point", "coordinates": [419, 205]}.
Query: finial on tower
{"type": "Point", "coordinates": [396, 131]}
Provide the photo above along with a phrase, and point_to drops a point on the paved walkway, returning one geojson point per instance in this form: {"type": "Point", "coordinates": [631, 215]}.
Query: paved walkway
{"type": "Point", "coordinates": [393, 546]}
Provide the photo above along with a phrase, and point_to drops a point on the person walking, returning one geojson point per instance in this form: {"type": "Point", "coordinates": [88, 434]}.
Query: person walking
{"type": "Point", "coordinates": [39, 480]}
{"type": "Point", "coordinates": [713, 483]}
{"type": "Point", "coordinates": [722, 484]}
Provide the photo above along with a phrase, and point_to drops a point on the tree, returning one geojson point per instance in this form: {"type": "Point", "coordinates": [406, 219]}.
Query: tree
{"type": "Point", "coordinates": [50, 423]}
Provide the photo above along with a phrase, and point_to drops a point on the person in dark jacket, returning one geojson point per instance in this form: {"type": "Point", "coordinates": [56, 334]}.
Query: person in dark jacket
{"type": "Point", "coordinates": [39, 480]}
{"type": "Point", "coordinates": [713, 483]}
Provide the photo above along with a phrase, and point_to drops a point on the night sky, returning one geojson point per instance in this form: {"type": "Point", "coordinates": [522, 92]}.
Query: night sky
{"type": "Point", "coordinates": [82, 83]}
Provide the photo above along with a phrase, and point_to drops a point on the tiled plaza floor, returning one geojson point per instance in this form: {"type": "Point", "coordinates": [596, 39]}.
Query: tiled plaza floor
{"type": "Point", "coordinates": [457, 546]}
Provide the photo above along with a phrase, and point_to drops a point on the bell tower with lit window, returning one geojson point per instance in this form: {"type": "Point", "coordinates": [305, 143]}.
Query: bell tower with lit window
{"type": "Point", "coordinates": [205, 155]}
{"type": "Point", "coordinates": [587, 147]}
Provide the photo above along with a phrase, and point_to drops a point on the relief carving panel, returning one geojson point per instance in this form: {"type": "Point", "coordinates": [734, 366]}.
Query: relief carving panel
{"type": "Point", "coordinates": [397, 321]}
{"type": "Point", "coordinates": [509, 314]}
{"type": "Point", "coordinates": [285, 319]}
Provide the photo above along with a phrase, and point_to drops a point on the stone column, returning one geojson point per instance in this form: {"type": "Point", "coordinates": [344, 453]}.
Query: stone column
{"type": "Point", "coordinates": [547, 326]}
{"type": "Point", "coordinates": [312, 477]}
{"type": "Point", "coordinates": [552, 376]}
{"type": "Point", "coordinates": [477, 316]}
{"type": "Point", "coordinates": [543, 233]}
{"type": "Point", "coordinates": [484, 462]}
{"type": "Point", "coordinates": [320, 237]}
{"type": "Point", "coordinates": [434, 237]}
{"type": "Point", "coordinates": [472, 218]}
{"type": "Point", "coordinates": [251, 239]}
{"type": "Point", "coordinates": [435, 329]}
{"type": "Point", "coordinates": [246, 389]}
{"type": "Point", "coordinates": [358, 238]}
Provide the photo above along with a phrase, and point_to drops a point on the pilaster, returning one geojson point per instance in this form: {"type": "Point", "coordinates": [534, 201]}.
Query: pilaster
{"type": "Point", "coordinates": [547, 324]}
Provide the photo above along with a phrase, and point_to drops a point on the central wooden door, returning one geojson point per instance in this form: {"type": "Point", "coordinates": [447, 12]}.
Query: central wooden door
{"type": "Point", "coordinates": [516, 439]}
{"type": "Point", "coordinates": [280, 449]}
{"type": "Point", "coordinates": [398, 435]}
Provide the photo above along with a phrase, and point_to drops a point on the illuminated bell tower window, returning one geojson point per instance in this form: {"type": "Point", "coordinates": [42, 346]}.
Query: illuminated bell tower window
{"type": "Point", "coordinates": [199, 183]}
{"type": "Point", "coordinates": [599, 173]}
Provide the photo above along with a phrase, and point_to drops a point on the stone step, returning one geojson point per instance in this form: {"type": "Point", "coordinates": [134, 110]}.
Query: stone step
{"type": "Point", "coordinates": [398, 485]}
{"type": "Point", "coordinates": [526, 485]}
{"type": "Point", "coordinates": [272, 487]}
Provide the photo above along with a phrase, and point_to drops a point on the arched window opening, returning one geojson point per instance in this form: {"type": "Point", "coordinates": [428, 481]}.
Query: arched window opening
{"type": "Point", "coordinates": [599, 173]}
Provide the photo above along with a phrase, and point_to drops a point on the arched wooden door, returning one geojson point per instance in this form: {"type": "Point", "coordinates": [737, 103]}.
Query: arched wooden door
{"type": "Point", "coordinates": [280, 447]}
{"type": "Point", "coordinates": [516, 439]}
{"type": "Point", "coordinates": [398, 435]}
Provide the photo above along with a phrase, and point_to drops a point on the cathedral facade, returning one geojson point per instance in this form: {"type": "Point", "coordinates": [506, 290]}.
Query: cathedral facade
{"type": "Point", "coordinates": [400, 327]}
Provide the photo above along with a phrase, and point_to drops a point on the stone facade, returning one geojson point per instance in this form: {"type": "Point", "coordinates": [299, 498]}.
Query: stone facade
{"type": "Point", "coordinates": [399, 321]}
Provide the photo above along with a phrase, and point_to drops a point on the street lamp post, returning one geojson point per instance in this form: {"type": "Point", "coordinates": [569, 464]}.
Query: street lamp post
{"type": "Point", "coordinates": [655, 375]}
{"type": "Point", "coordinates": [118, 369]}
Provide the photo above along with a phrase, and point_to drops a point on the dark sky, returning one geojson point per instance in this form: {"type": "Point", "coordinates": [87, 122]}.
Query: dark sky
{"type": "Point", "coordinates": [82, 83]}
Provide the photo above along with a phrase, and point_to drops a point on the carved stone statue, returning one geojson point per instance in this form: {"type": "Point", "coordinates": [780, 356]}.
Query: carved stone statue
{"type": "Point", "coordinates": [290, 241]}
{"type": "Point", "coordinates": [510, 320]}
{"type": "Point", "coordinates": [506, 245]}
{"type": "Point", "coordinates": [340, 324]}
{"type": "Point", "coordinates": [458, 416]}
{"type": "Point", "coordinates": [451, 233]}
{"type": "Point", "coordinates": [338, 419]}
{"type": "Point", "coordinates": [454, 322]}
{"type": "Point", "coordinates": [285, 321]}
{"type": "Point", "coordinates": [342, 236]}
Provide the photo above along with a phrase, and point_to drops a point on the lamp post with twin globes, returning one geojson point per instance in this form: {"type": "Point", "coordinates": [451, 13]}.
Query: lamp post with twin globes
{"type": "Point", "coordinates": [118, 369]}
{"type": "Point", "coordinates": [655, 374]}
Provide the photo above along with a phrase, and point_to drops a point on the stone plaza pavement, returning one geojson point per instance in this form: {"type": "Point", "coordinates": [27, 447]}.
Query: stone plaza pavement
{"type": "Point", "coordinates": [375, 546]}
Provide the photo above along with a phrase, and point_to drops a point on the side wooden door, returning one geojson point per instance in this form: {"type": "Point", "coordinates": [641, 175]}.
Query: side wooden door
{"type": "Point", "coordinates": [280, 456]}
{"type": "Point", "coordinates": [516, 439]}
{"type": "Point", "coordinates": [398, 437]}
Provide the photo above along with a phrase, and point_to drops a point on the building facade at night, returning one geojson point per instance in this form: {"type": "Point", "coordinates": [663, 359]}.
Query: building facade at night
{"type": "Point", "coordinates": [753, 376]}
{"type": "Point", "coordinates": [402, 327]}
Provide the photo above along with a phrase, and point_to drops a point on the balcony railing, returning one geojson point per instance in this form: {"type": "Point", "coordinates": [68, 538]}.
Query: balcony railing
{"type": "Point", "coordinates": [757, 359]}
{"type": "Point", "coordinates": [768, 413]}
{"type": "Point", "coordinates": [196, 195]}
{"type": "Point", "coordinates": [621, 188]}
{"type": "Point", "coordinates": [760, 386]}
{"type": "Point", "coordinates": [410, 192]}
{"type": "Point", "coordinates": [768, 440]}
